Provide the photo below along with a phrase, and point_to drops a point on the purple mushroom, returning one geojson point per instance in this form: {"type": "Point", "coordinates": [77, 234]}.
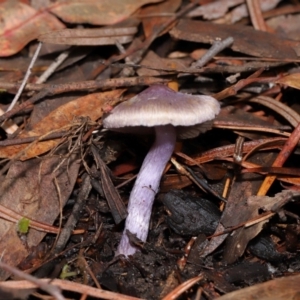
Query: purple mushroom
{"type": "Point", "coordinates": [170, 113]}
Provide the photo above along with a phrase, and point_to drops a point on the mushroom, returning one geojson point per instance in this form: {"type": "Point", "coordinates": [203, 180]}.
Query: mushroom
{"type": "Point", "coordinates": [163, 109]}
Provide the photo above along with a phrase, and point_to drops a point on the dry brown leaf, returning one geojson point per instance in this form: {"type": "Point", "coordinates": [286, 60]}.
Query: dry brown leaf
{"type": "Point", "coordinates": [284, 288]}
{"type": "Point", "coordinates": [286, 26]}
{"type": "Point", "coordinates": [217, 9]}
{"type": "Point", "coordinates": [245, 38]}
{"type": "Point", "coordinates": [29, 189]}
{"type": "Point", "coordinates": [242, 10]}
{"type": "Point", "coordinates": [214, 10]}
{"type": "Point", "coordinates": [22, 24]}
{"type": "Point", "coordinates": [152, 24]}
{"type": "Point", "coordinates": [291, 80]}
{"type": "Point", "coordinates": [238, 201]}
{"type": "Point", "coordinates": [104, 12]}
{"type": "Point", "coordinates": [154, 61]}
{"type": "Point", "coordinates": [91, 106]}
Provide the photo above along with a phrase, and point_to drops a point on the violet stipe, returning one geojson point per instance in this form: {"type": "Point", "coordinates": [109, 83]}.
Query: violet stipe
{"type": "Point", "coordinates": [146, 186]}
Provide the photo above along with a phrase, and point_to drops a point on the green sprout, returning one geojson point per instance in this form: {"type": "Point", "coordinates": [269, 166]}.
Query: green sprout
{"type": "Point", "coordinates": [23, 225]}
{"type": "Point", "coordinates": [65, 272]}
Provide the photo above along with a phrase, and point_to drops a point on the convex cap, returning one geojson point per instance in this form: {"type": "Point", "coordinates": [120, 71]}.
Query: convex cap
{"type": "Point", "coordinates": [159, 105]}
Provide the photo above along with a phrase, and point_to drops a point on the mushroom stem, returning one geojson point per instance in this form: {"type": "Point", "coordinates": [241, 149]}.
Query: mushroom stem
{"type": "Point", "coordinates": [146, 186]}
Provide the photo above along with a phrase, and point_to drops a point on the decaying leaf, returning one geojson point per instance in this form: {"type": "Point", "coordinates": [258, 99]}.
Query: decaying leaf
{"type": "Point", "coordinates": [29, 189]}
{"type": "Point", "coordinates": [242, 188]}
{"type": "Point", "coordinates": [22, 24]}
{"type": "Point", "coordinates": [214, 9]}
{"type": "Point", "coordinates": [286, 25]}
{"type": "Point", "coordinates": [153, 60]}
{"type": "Point", "coordinates": [242, 11]}
{"type": "Point", "coordinates": [284, 288]}
{"type": "Point", "coordinates": [291, 80]}
{"type": "Point", "coordinates": [116, 205]}
{"type": "Point", "coordinates": [218, 9]}
{"type": "Point", "coordinates": [152, 24]}
{"type": "Point", "coordinates": [245, 38]}
{"type": "Point", "coordinates": [104, 12]}
{"type": "Point", "coordinates": [91, 106]}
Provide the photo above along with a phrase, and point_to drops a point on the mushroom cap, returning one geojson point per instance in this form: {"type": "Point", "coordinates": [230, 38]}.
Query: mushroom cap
{"type": "Point", "coordinates": [159, 105]}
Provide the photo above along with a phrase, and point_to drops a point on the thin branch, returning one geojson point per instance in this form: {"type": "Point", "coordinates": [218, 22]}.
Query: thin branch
{"type": "Point", "coordinates": [28, 72]}
{"type": "Point", "coordinates": [216, 48]}
{"type": "Point", "coordinates": [44, 285]}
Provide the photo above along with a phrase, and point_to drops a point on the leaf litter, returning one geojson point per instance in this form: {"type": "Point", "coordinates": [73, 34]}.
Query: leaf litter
{"type": "Point", "coordinates": [65, 175]}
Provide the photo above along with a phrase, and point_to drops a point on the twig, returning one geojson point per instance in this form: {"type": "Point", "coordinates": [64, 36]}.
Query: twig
{"type": "Point", "coordinates": [42, 284]}
{"type": "Point", "coordinates": [116, 205]}
{"type": "Point", "coordinates": [238, 125]}
{"type": "Point", "coordinates": [28, 72]}
{"type": "Point", "coordinates": [83, 264]}
{"type": "Point", "coordinates": [71, 223]}
{"type": "Point", "coordinates": [70, 286]}
{"type": "Point", "coordinates": [51, 69]}
{"type": "Point", "coordinates": [8, 126]}
{"type": "Point", "coordinates": [238, 150]}
{"type": "Point", "coordinates": [283, 155]}
{"type": "Point", "coordinates": [285, 111]}
{"type": "Point", "coordinates": [256, 16]}
{"type": "Point", "coordinates": [182, 288]}
{"type": "Point", "coordinates": [13, 216]}
{"type": "Point", "coordinates": [228, 150]}
{"type": "Point", "coordinates": [127, 71]}
{"type": "Point", "coordinates": [216, 48]}
{"type": "Point", "coordinates": [192, 176]}
{"type": "Point", "coordinates": [52, 136]}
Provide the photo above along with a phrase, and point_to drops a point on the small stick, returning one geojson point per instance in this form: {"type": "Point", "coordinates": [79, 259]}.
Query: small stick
{"type": "Point", "coordinates": [238, 150]}
{"type": "Point", "coordinates": [28, 72]}
{"type": "Point", "coordinates": [127, 71]}
{"type": "Point", "coordinates": [179, 290]}
{"type": "Point", "coordinates": [217, 47]}
{"type": "Point", "coordinates": [66, 232]}
{"type": "Point", "coordinates": [51, 69]}
{"type": "Point", "coordinates": [30, 139]}
{"type": "Point", "coordinates": [192, 176]}
{"type": "Point", "coordinates": [68, 286]}
{"type": "Point", "coordinates": [9, 126]}
{"type": "Point", "coordinates": [44, 285]}
{"type": "Point", "coordinates": [283, 155]}
{"type": "Point", "coordinates": [256, 16]}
